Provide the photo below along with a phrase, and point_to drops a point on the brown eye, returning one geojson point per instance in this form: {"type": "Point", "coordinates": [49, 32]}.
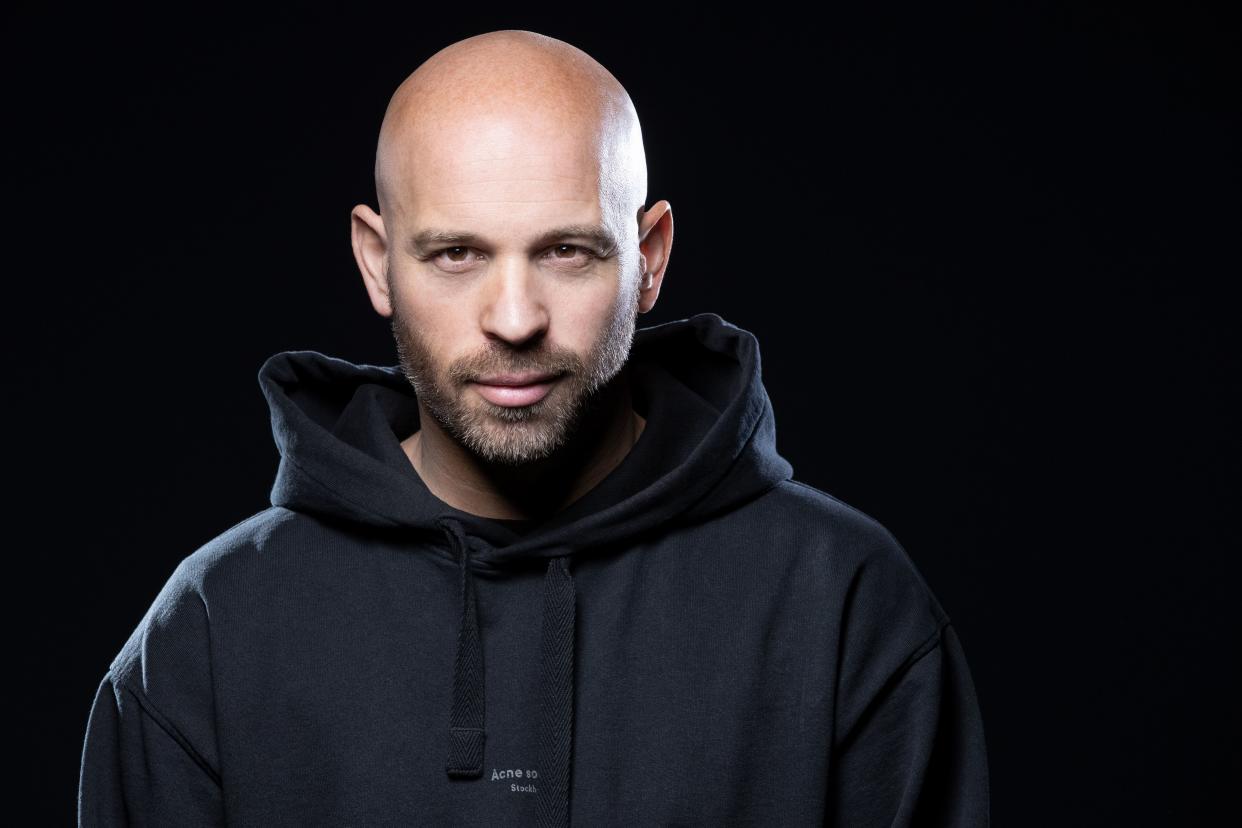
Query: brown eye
{"type": "Point", "coordinates": [455, 255]}
{"type": "Point", "coordinates": [571, 255]}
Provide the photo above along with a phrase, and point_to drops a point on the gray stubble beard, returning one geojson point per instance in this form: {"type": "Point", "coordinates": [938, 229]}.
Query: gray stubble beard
{"type": "Point", "coordinates": [527, 433]}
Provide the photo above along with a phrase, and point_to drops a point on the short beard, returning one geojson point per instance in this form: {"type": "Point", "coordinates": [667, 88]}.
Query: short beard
{"type": "Point", "coordinates": [516, 435]}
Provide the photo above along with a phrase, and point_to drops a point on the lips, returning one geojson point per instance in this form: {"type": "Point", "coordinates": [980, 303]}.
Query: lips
{"type": "Point", "coordinates": [515, 389]}
{"type": "Point", "coordinates": [529, 378]}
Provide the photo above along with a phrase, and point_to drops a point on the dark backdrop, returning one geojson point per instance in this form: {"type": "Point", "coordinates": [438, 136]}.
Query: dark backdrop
{"type": "Point", "coordinates": [989, 254]}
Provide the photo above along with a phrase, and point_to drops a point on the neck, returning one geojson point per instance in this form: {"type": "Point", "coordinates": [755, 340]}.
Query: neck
{"type": "Point", "coordinates": [538, 489]}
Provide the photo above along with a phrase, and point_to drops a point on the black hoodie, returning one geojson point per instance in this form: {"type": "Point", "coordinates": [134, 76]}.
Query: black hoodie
{"type": "Point", "coordinates": [698, 640]}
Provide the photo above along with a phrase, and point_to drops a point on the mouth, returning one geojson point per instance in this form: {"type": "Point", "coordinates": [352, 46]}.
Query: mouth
{"type": "Point", "coordinates": [515, 389]}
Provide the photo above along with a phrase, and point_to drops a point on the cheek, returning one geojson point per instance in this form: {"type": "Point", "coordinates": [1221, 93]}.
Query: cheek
{"type": "Point", "coordinates": [424, 306]}
{"type": "Point", "coordinates": [430, 325]}
{"type": "Point", "coordinates": [584, 316]}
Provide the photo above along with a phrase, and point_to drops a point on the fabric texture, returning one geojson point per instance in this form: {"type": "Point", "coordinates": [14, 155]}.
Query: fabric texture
{"type": "Point", "coordinates": [700, 639]}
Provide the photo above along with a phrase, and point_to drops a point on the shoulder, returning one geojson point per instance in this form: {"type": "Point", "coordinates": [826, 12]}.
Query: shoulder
{"type": "Point", "coordinates": [886, 614]}
{"type": "Point", "coordinates": [175, 630]}
{"type": "Point", "coordinates": [856, 546]}
{"type": "Point", "coordinates": [847, 523]}
{"type": "Point", "coordinates": [166, 663]}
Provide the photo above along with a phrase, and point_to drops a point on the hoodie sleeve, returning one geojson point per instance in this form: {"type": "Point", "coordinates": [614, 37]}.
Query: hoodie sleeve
{"type": "Point", "coordinates": [138, 770]}
{"type": "Point", "coordinates": [916, 756]}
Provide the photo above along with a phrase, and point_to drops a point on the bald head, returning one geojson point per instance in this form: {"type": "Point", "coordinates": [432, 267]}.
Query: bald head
{"type": "Point", "coordinates": [509, 92]}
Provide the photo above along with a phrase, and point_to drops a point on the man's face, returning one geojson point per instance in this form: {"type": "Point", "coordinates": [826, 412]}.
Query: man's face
{"type": "Point", "coordinates": [510, 300]}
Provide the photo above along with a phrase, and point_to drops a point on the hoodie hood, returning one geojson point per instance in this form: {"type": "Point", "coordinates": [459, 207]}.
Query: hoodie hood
{"type": "Point", "coordinates": [708, 446]}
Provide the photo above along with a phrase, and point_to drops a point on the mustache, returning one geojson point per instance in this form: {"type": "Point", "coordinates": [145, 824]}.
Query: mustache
{"type": "Point", "coordinates": [490, 365]}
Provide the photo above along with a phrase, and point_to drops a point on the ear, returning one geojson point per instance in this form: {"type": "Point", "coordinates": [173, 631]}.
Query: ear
{"type": "Point", "coordinates": [655, 243]}
{"type": "Point", "coordinates": [370, 242]}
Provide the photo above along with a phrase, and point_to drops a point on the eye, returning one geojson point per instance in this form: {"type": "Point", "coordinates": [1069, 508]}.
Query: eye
{"type": "Point", "coordinates": [572, 254]}
{"type": "Point", "coordinates": [456, 255]}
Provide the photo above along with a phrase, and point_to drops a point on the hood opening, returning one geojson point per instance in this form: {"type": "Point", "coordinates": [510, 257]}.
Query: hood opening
{"type": "Point", "coordinates": [709, 445]}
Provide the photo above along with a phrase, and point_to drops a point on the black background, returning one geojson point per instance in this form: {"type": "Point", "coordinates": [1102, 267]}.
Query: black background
{"type": "Point", "coordinates": [988, 251]}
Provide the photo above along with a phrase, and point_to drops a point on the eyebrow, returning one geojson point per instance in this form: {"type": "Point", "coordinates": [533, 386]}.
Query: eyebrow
{"type": "Point", "coordinates": [424, 241]}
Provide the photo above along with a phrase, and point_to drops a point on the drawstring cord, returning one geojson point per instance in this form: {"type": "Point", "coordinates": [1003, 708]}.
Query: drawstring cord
{"type": "Point", "coordinates": [467, 733]}
{"type": "Point", "coordinates": [557, 657]}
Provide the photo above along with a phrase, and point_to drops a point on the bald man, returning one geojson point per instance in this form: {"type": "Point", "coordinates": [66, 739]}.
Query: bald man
{"type": "Point", "coordinates": [548, 569]}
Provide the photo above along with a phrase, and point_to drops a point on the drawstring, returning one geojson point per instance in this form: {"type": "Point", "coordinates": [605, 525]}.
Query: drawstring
{"type": "Point", "coordinates": [466, 721]}
{"type": "Point", "coordinates": [557, 656]}
{"type": "Point", "coordinates": [466, 733]}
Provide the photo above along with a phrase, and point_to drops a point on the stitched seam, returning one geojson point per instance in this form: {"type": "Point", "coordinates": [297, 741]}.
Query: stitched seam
{"type": "Point", "coordinates": [928, 645]}
{"type": "Point", "coordinates": [148, 707]}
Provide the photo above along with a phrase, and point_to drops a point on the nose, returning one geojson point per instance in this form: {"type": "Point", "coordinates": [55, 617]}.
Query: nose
{"type": "Point", "coordinates": [513, 307]}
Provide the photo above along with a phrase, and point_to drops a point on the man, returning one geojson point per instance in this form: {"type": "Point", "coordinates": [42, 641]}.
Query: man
{"type": "Point", "coordinates": [547, 569]}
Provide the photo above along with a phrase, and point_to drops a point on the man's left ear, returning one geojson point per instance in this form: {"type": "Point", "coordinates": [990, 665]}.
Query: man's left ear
{"type": "Point", "coordinates": [655, 243]}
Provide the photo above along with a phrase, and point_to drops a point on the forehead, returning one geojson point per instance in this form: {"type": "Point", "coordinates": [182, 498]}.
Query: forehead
{"type": "Point", "coordinates": [487, 163]}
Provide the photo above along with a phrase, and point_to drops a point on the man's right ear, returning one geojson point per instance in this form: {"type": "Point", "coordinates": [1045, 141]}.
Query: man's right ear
{"type": "Point", "coordinates": [370, 243]}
